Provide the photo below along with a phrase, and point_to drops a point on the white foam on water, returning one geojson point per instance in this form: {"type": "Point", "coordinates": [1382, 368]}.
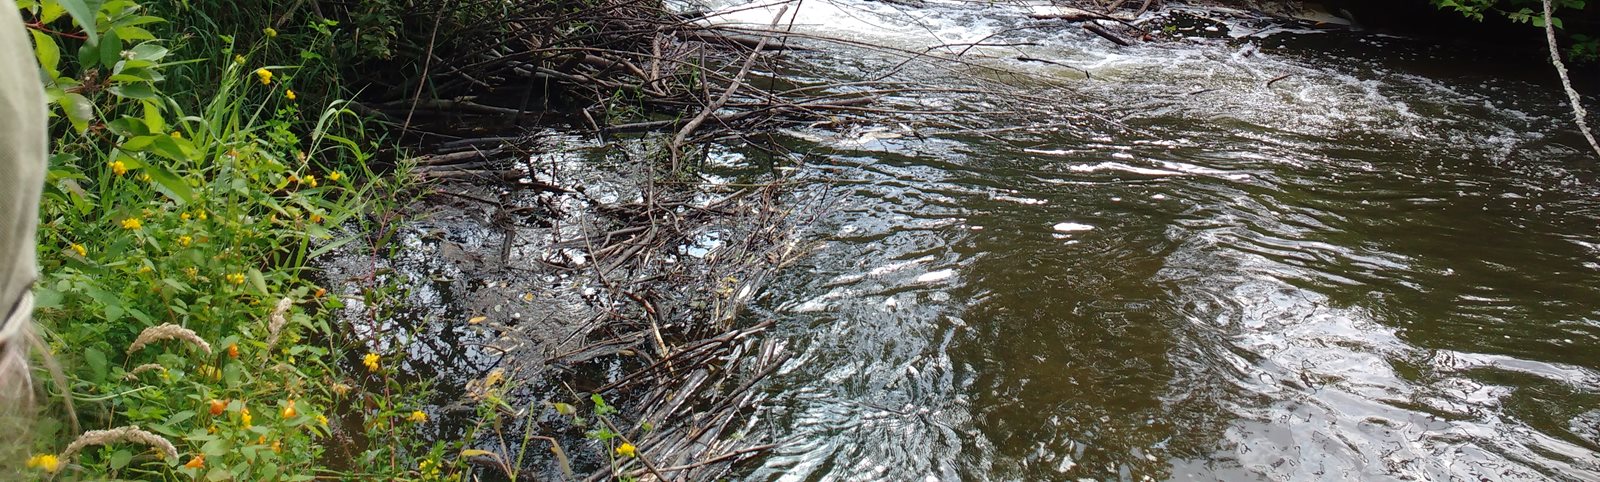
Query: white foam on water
{"type": "Point", "coordinates": [1070, 227]}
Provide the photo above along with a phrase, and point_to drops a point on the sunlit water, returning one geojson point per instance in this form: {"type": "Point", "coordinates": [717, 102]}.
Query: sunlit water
{"type": "Point", "coordinates": [1384, 266]}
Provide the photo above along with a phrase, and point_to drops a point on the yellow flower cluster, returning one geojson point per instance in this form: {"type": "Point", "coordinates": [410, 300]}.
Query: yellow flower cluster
{"type": "Point", "coordinates": [46, 462]}
{"type": "Point", "coordinates": [236, 278]}
{"type": "Point", "coordinates": [78, 248]}
{"type": "Point", "coordinates": [265, 76]}
{"type": "Point", "coordinates": [118, 168]}
{"type": "Point", "coordinates": [244, 417]}
{"type": "Point", "coordinates": [131, 224]}
{"type": "Point", "coordinates": [417, 416]}
{"type": "Point", "coordinates": [371, 361]}
{"type": "Point", "coordinates": [185, 240]}
{"type": "Point", "coordinates": [288, 409]}
{"type": "Point", "coordinates": [627, 450]}
{"type": "Point", "coordinates": [335, 176]}
{"type": "Point", "coordinates": [309, 180]}
{"type": "Point", "coordinates": [288, 94]}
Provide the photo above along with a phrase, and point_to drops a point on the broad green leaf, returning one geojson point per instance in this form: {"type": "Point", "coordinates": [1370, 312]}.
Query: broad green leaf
{"type": "Point", "coordinates": [96, 360]}
{"type": "Point", "coordinates": [133, 33]}
{"type": "Point", "coordinates": [48, 52]}
{"type": "Point", "coordinates": [170, 185]}
{"type": "Point", "coordinates": [83, 12]}
{"type": "Point", "coordinates": [149, 51]}
{"type": "Point", "coordinates": [110, 49]}
{"type": "Point", "coordinates": [138, 90]}
{"type": "Point", "coordinates": [256, 280]}
{"type": "Point", "coordinates": [120, 459]}
{"type": "Point", "coordinates": [78, 109]}
{"type": "Point", "coordinates": [152, 117]}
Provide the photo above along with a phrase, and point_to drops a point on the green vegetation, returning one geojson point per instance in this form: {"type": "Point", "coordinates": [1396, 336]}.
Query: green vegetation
{"type": "Point", "coordinates": [198, 166]}
{"type": "Point", "coordinates": [1582, 47]}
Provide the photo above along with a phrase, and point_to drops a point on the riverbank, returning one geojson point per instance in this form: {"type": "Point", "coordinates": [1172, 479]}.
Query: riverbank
{"type": "Point", "coordinates": [200, 162]}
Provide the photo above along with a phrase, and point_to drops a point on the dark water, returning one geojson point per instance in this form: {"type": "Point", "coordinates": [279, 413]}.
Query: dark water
{"type": "Point", "coordinates": [1384, 266]}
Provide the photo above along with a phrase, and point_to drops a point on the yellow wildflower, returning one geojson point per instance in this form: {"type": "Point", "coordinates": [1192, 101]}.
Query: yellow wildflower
{"type": "Point", "coordinates": [316, 218]}
{"type": "Point", "coordinates": [277, 446]}
{"type": "Point", "coordinates": [341, 389]}
{"type": "Point", "coordinates": [185, 240]}
{"type": "Point", "coordinates": [201, 214]}
{"type": "Point", "coordinates": [185, 216]}
{"type": "Point", "coordinates": [236, 278]}
{"type": "Point", "coordinates": [371, 361]}
{"type": "Point", "coordinates": [177, 135]}
{"type": "Point", "coordinates": [322, 419]}
{"type": "Point", "coordinates": [193, 272]}
{"type": "Point", "coordinates": [145, 269]}
{"type": "Point", "coordinates": [118, 168]}
{"type": "Point", "coordinates": [494, 378]}
{"type": "Point", "coordinates": [335, 176]}
{"type": "Point", "coordinates": [288, 94]}
{"type": "Point", "coordinates": [627, 450]}
{"type": "Point", "coordinates": [199, 461]}
{"type": "Point", "coordinates": [417, 416]}
{"type": "Point", "coordinates": [244, 417]}
{"type": "Point", "coordinates": [131, 224]}
{"type": "Point", "coordinates": [288, 409]}
{"type": "Point", "coordinates": [78, 248]}
{"type": "Point", "coordinates": [265, 76]}
{"type": "Point", "coordinates": [270, 32]}
{"type": "Point", "coordinates": [309, 180]}
{"type": "Point", "coordinates": [46, 462]}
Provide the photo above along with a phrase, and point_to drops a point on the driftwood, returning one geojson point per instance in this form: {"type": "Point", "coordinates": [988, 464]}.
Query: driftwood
{"type": "Point", "coordinates": [1107, 34]}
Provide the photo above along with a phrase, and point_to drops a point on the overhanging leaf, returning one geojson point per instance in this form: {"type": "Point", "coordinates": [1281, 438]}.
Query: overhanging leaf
{"type": "Point", "coordinates": [82, 12]}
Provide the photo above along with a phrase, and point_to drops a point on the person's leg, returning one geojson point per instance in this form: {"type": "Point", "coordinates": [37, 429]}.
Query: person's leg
{"type": "Point", "coordinates": [23, 161]}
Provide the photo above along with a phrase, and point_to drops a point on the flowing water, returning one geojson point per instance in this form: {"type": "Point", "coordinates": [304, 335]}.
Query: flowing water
{"type": "Point", "coordinates": [1279, 256]}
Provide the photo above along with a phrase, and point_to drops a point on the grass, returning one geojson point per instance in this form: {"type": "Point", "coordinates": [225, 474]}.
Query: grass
{"type": "Point", "coordinates": [186, 198]}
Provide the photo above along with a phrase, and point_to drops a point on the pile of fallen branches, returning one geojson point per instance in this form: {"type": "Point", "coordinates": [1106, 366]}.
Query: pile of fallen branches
{"type": "Point", "coordinates": [610, 66]}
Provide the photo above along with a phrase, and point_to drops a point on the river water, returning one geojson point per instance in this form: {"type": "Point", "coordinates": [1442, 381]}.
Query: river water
{"type": "Point", "coordinates": [1383, 266]}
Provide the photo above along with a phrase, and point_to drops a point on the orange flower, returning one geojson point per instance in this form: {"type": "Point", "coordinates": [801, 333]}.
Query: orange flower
{"type": "Point", "coordinates": [199, 461]}
{"type": "Point", "coordinates": [288, 409]}
{"type": "Point", "coordinates": [233, 350]}
{"type": "Point", "coordinates": [217, 407]}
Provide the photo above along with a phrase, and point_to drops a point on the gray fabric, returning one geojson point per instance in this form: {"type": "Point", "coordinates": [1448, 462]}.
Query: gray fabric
{"type": "Point", "coordinates": [23, 150]}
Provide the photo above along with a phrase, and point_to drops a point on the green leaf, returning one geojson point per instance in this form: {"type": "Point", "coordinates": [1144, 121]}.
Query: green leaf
{"type": "Point", "coordinates": [98, 367]}
{"type": "Point", "coordinates": [79, 111]}
{"type": "Point", "coordinates": [137, 90]}
{"type": "Point", "coordinates": [83, 12]}
{"type": "Point", "coordinates": [153, 121]}
{"type": "Point", "coordinates": [120, 459]}
{"type": "Point", "coordinates": [110, 49]}
{"type": "Point", "coordinates": [149, 51]}
{"type": "Point", "coordinates": [256, 280]}
{"type": "Point", "coordinates": [133, 33]}
{"type": "Point", "coordinates": [48, 52]}
{"type": "Point", "coordinates": [170, 185]}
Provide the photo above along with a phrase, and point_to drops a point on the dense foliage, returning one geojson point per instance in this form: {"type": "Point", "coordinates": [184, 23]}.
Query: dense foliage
{"type": "Point", "coordinates": [198, 166]}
